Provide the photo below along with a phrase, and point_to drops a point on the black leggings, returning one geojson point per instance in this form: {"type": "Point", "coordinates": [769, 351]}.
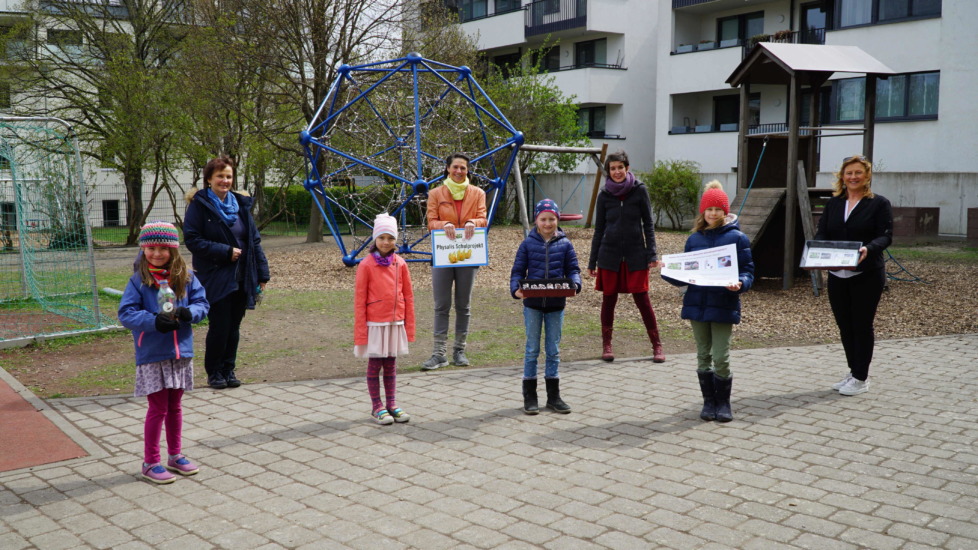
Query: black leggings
{"type": "Point", "coordinates": [854, 301]}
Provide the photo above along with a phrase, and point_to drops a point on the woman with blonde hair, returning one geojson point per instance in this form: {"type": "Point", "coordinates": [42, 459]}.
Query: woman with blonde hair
{"type": "Point", "coordinates": [855, 213]}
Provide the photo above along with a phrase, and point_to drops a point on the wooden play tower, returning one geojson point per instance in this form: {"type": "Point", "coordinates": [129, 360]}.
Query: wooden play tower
{"type": "Point", "coordinates": [787, 184]}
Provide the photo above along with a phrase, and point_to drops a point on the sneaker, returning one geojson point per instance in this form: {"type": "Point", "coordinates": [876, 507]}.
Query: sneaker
{"type": "Point", "coordinates": [157, 474]}
{"type": "Point", "coordinates": [399, 415]}
{"type": "Point", "coordinates": [838, 385]}
{"type": "Point", "coordinates": [383, 417]}
{"type": "Point", "coordinates": [181, 465]}
{"type": "Point", "coordinates": [855, 387]}
{"type": "Point", "coordinates": [434, 362]}
{"type": "Point", "coordinates": [459, 359]}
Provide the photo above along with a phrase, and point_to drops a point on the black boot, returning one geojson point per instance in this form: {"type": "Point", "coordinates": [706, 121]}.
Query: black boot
{"type": "Point", "coordinates": [709, 411]}
{"type": "Point", "coordinates": [554, 402]}
{"type": "Point", "coordinates": [231, 379]}
{"type": "Point", "coordinates": [530, 405]}
{"type": "Point", "coordinates": [722, 388]}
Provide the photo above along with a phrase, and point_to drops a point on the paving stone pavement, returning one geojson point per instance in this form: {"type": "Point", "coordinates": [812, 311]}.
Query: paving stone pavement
{"type": "Point", "coordinates": [301, 465]}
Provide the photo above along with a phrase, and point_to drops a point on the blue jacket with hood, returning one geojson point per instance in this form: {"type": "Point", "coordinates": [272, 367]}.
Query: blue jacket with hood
{"type": "Point", "coordinates": [536, 259]}
{"type": "Point", "coordinates": [715, 304]}
{"type": "Point", "coordinates": [138, 310]}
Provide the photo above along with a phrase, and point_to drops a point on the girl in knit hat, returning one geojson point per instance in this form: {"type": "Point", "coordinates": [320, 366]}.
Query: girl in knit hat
{"type": "Point", "coordinates": [714, 310]}
{"type": "Point", "coordinates": [162, 299]}
{"type": "Point", "coordinates": [383, 314]}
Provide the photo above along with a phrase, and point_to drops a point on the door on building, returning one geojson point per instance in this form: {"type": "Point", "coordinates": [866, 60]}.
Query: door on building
{"type": "Point", "coordinates": [110, 213]}
{"type": "Point", "coordinates": [814, 20]}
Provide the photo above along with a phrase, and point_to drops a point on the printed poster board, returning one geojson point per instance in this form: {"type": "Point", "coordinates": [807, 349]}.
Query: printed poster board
{"type": "Point", "coordinates": [831, 255]}
{"type": "Point", "coordinates": [460, 252]}
{"type": "Point", "coordinates": [708, 267]}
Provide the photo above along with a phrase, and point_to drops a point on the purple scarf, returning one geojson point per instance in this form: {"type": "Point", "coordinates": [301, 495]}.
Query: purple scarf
{"type": "Point", "coordinates": [620, 189]}
{"type": "Point", "coordinates": [383, 260]}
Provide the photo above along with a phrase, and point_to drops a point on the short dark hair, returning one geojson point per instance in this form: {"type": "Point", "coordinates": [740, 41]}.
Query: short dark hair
{"type": "Point", "coordinates": [453, 156]}
{"type": "Point", "coordinates": [215, 164]}
{"type": "Point", "coordinates": [617, 156]}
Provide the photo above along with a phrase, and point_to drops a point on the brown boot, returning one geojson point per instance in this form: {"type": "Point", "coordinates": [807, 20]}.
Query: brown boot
{"type": "Point", "coordinates": [658, 356]}
{"type": "Point", "coordinates": [606, 353]}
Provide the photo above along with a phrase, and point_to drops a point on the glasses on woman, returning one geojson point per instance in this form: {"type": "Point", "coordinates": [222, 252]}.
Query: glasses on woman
{"type": "Point", "coordinates": [855, 157]}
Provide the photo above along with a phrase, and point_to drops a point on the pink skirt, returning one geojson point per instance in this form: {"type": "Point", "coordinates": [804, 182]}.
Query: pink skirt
{"type": "Point", "coordinates": [383, 341]}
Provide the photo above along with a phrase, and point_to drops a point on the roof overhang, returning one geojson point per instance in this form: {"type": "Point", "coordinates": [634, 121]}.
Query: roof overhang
{"type": "Point", "coordinates": [810, 64]}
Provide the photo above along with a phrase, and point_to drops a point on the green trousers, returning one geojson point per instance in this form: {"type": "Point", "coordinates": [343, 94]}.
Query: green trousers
{"type": "Point", "coordinates": [713, 347]}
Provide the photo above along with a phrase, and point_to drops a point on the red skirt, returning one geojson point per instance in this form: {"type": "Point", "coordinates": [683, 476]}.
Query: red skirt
{"type": "Point", "coordinates": [623, 281]}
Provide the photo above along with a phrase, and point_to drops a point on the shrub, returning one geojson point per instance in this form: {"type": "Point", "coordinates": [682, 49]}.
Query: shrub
{"type": "Point", "coordinates": [674, 186]}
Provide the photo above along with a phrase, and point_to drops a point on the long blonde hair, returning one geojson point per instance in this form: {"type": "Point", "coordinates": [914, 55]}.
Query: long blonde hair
{"type": "Point", "coordinates": [839, 186]}
{"type": "Point", "coordinates": [179, 273]}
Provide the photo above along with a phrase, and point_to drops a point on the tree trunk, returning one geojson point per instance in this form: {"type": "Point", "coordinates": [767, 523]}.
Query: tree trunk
{"type": "Point", "coordinates": [315, 233]}
{"type": "Point", "coordinates": [133, 179]}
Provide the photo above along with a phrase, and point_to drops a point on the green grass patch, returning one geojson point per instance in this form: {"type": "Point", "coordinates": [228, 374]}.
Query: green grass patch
{"type": "Point", "coordinates": [118, 377]}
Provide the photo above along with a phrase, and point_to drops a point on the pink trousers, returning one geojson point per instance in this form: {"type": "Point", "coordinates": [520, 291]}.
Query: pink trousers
{"type": "Point", "coordinates": [164, 409]}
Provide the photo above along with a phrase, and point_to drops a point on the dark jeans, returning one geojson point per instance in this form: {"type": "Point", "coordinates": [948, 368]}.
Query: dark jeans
{"type": "Point", "coordinates": [854, 301]}
{"type": "Point", "coordinates": [223, 333]}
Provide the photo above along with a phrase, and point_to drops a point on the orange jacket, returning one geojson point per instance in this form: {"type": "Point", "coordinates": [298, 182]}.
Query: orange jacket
{"type": "Point", "coordinates": [441, 208]}
{"type": "Point", "coordinates": [382, 294]}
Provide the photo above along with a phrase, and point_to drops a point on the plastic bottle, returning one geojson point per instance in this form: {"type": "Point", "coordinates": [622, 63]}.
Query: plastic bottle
{"type": "Point", "coordinates": [166, 299]}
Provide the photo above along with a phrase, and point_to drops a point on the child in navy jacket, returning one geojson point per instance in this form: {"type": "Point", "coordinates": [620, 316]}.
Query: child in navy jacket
{"type": "Point", "coordinates": [546, 253]}
{"type": "Point", "coordinates": [714, 310]}
{"type": "Point", "coordinates": [164, 344]}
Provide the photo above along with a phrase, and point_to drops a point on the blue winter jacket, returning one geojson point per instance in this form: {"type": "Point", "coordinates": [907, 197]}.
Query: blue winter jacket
{"type": "Point", "coordinates": [715, 304]}
{"type": "Point", "coordinates": [536, 259]}
{"type": "Point", "coordinates": [210, 242]}
{"type": "Point", "coordinates": [137, 312]}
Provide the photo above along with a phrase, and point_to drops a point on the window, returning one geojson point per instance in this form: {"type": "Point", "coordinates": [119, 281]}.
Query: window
{"type": "Point", "coordinates": [735, 30]}
{"type": "Point", "coordinates": [824, 106]}
{"type": "Point", "coordinates": [867, 12]}
{"type": "Point", "coordinates": [591, 53]}
{"type": "Point", "coordinates": [503, 6]}
{"type": "Point", "coordinates": [591, 121]}
{"type": "Point", "coordinates": [548, 60]}
{"type": "Point", "coordinates": [905, 96]}
{"type": "Point", "coordinates": [726, 112]}
{"type": "Point", "coordinates": [8, 215]}
{"type": "Point", "coordinates": [64, 38]}
{"type": "Point", "coordinates": [473, 9]}
{"type": "Point", "coordinates": [506, 64]}
{"type": "Point", "coordinates": [551, 6]}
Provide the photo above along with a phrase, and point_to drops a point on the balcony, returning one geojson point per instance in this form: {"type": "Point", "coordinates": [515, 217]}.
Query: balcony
{"type": "Point", "coordinates": [550, 16]}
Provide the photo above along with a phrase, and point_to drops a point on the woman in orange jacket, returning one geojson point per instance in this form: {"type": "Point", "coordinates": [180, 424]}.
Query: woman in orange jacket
{"type": "Point", "coordinates": [383, 314]}
{"type": "Point", "coordinates": [455, 205]}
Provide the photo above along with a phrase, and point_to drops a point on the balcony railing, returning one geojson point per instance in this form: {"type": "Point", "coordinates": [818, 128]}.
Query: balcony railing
{"type": "Point", "coordinates": [475, 15]}
{"type": "Point", "coordinates": [548, 16]}
{"type": "Point", "coordinates": [809, 36]}
{"type": "Point", "coordinates": [585, 66]}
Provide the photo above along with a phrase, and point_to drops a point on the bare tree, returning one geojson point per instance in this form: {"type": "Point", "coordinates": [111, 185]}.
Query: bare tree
{"type": "Point", "coordinates": [104, 69]}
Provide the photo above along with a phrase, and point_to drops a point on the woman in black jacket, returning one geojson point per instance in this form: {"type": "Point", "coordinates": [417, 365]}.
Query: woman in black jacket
{"type": "Point", "coordinates": [229, 261]}
{"type": "Point", "coordinates": [855, 213]}
{"type": "Point", "coordinates": [623, 250]}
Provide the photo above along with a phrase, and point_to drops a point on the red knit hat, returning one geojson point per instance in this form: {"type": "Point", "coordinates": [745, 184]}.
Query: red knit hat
{"type": "Point", "coordinates": [714, 196]}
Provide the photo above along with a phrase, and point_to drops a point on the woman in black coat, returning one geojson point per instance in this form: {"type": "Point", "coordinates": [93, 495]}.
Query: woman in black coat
{"type": "Point", "coordinates": [855, 213]}
{"type": "Point", "coordinates": [623, 250]}
{"type": "Point", "coordinates": [229, 261]}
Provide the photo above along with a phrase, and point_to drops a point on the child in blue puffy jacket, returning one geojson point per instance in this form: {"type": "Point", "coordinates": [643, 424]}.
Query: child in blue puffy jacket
{"type": "Point", "coordinates": [714, 310]}
{"type": "Point", "coordinates": [164, 343]}
{"type": "Point", "coordinates": [546, 253]}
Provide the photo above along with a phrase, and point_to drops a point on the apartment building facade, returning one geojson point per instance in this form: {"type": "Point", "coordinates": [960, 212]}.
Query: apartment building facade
{"type": "Point", "coordinates": [650, 78]}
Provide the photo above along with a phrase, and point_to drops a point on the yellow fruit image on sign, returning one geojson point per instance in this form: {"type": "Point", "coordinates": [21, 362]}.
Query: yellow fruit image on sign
{"type": "Point", "coordinates": [468, 253]}
{"type": "Point", "coordinates": [452, 257]}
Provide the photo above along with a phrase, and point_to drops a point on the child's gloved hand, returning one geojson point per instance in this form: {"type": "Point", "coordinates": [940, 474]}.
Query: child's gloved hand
{"type": "Point", "coordinates": [183, 314]}
{"type": "Point", "coordinates": [165, 323]}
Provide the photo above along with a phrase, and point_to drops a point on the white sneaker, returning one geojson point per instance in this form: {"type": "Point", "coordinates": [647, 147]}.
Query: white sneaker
{"type": "Point", "coordinates": [855, 387]}
{"type": "Point", "coordinates": [838, 385]}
